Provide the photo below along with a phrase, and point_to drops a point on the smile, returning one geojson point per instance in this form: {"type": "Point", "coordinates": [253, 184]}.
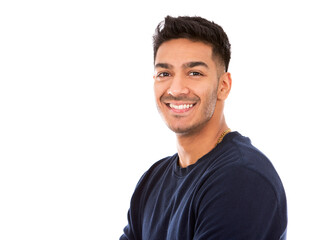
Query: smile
{"type": "Point", "coordinates": [182, 106]}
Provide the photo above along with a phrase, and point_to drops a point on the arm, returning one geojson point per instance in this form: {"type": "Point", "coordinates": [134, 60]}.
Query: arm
{"type": "Point", "coordinates": [133, 229]}
{"type": "Point", "coordinates": [128, 232]}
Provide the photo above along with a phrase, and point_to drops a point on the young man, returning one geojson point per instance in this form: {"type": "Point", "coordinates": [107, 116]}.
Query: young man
{"type": "Point", "coordinates": [218, 185]}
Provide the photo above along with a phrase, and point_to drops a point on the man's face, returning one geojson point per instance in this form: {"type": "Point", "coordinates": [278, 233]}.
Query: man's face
{"type": "Point", "coordinates": [185, 86]}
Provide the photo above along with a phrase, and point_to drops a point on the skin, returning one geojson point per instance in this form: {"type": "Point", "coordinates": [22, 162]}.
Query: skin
{"type": "Point", "coordinates": [187, 76]}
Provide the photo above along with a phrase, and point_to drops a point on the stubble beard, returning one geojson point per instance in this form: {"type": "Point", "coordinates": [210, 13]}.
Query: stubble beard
{"type": "Point", "coordinates": [206, 115]}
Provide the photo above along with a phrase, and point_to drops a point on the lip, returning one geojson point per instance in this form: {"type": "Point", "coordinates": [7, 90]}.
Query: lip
{"type": "Point", "coordinates": [184, 107]}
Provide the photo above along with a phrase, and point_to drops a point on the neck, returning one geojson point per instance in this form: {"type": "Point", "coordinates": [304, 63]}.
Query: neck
{"type": "Point", "coordinates": [192, 147]}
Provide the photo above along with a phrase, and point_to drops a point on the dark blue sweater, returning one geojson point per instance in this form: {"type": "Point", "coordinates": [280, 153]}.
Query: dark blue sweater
{"type": "Point", "coordinates": [231, 193]}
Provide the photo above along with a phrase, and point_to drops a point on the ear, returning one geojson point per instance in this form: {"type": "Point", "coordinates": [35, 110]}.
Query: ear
{"type": "Point", "coordinates": [225, 84]}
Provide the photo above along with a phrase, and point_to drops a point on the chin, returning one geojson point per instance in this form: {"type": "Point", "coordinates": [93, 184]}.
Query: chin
{"type": "Point", "coordinates": [184, 130]}
{"type": "Point", "coordinates": [181, 131]}
{"type": "Point", "coordinates": [177, 128]}
{"type": "Point", "coordinates": [188, 128]}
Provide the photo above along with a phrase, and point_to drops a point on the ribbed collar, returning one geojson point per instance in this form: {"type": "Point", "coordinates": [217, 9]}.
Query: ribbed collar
{"type": "Point", "coordinates": [182, 172]}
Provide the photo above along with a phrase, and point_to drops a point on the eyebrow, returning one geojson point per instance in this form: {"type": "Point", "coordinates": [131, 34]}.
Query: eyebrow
{"type": "Point", "coordinates": [185, 65]}
{"type": "Point", "coordinates": [195, 64]}
{"type": "Point", "coordinates": [164, 65]}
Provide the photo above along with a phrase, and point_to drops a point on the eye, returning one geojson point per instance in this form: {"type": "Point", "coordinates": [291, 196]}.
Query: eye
{"type": "Point", "coordinates": [163, 74]}
{"type": "Point", "coordinates": [195, 74]}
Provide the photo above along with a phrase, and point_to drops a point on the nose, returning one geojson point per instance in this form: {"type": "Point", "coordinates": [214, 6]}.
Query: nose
{"type": "Point", "coordinates": [178, 87]}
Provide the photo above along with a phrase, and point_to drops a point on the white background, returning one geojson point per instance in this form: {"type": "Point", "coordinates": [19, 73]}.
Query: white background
{"type": "Point", "coordinates": [78, 123]}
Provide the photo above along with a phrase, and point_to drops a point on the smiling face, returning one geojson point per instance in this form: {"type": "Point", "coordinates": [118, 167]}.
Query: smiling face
{"type": "Point", "coordinates": [186, 84]}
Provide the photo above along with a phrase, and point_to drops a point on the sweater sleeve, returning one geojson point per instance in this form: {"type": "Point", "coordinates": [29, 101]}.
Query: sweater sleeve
{"type": "Point", "coordinates": [128, 231]}
{"type": "Point", "coordinates": [133, 229]}
{"type": "Point", "coordinates": [239, 203]}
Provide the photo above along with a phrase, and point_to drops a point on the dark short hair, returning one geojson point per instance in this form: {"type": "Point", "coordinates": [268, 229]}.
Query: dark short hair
{"type": "Point", "coordinates": [195, 29]}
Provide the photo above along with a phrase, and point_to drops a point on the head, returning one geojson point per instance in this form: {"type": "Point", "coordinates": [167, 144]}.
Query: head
{"type": "Point", "coordinates": [195, 29]}
{"type": "Point", "coordinates": [191, 58]}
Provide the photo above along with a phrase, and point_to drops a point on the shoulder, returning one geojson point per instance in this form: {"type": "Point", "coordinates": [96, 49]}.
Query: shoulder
{"type": "Point", "coordinates": [239, 168]}
{"type": "Point", "coordinates": [239, 201]}
{"type": "Point", "coordinates": [242, 188]}
{"type": "Point", "coordinates": [157, 169]}
{"type": "Point", "coordinates": [243, 173]}
{"type": "Point", "coordinates": [162, 165]}
{"type": "Point", "coordinates": [252, 162]}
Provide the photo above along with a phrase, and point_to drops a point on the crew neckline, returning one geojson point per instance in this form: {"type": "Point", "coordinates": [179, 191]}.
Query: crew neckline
{"type": "Point", "coordinates": [182, 172]}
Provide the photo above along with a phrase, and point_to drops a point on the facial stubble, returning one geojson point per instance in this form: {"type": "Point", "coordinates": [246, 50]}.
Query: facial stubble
{"type": "Point", "coordinates": [206, 115]}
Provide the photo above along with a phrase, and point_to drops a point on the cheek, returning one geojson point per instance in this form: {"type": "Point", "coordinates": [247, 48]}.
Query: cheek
{"type": "Point", "coordinates": [210, 96]}
{"type": "Point", "coordinates": [156, 92]}
{"type": "Point", "coordinates": [159, 90]}
{"type": "Point", "coordinates": [202, 89]}
{"type": "Point", "coordinates": [207, 96]}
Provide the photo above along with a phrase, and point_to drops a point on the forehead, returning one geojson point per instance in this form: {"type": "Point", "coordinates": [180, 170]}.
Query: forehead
{"type": "Point", "coordinates": [179, 51]}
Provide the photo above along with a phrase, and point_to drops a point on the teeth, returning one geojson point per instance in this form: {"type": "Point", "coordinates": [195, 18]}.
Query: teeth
{"type": "Point", "coordinates": [183, 106]}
